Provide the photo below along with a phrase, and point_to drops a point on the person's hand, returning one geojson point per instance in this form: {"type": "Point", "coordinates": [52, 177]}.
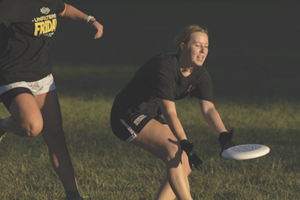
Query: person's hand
{"type": "Point", "coordinates": [226, 141]}
{"type": "Point", "coordinates": [98, 26]}
{"type": "Point", "coordinates": [194, 160]}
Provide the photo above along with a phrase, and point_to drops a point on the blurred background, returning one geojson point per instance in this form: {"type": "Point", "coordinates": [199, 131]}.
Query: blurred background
{"type": "Point", "coordinates": [254, 45]}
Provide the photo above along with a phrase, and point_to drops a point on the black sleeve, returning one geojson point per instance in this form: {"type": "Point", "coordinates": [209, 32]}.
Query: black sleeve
{"type": "Point", "coordinates": [203, 89]}
{"type": "Point", "coordinates": [60, 6]}
{"type": "Point", "coordinates": [162, 79]}
{"type": "Point", "coordinates": [10, 11]}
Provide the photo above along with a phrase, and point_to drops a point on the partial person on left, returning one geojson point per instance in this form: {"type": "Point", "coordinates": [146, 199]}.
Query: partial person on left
{"type": "Point", "coordinates": [27, 87]}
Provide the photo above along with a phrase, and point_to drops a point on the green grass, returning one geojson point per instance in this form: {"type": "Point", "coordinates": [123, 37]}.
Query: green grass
{"type": "Point", "coordinates": [111, 169]}
{"type": "Point", "coordinates": [254, 65]}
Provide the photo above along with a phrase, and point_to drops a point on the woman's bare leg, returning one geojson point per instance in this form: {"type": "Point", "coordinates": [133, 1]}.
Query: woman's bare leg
{"type": "Point", "coordinates": [32, 115]}
{"type": "Point", "coordinates": [165, 191]}
{"type": "Point", "coordinates": [54, 137]}
{"type": "Point", "coordinates": [160, 141]}
{"type": "Point", "coordinates": [26, 119]}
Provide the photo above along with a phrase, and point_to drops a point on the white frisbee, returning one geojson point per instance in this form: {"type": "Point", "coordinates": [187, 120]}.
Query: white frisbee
{"type": "Point", "coordinates": [245, 151]}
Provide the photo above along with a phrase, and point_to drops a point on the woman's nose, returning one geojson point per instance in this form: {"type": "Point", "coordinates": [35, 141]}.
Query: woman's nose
{"type": "Point", "coordinates": [201, 49]}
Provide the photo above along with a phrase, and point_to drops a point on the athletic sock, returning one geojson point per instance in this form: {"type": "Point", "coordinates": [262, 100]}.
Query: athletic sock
{"type": "Point", "coordinates": [73, 195]}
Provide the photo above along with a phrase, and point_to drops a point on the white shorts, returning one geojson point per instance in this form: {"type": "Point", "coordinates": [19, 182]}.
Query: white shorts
{"type": "Point", "coordinates": [41, 86]}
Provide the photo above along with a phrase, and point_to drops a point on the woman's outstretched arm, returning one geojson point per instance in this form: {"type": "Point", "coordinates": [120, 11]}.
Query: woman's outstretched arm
{"type": "Point", "coordinates": [73, 13]}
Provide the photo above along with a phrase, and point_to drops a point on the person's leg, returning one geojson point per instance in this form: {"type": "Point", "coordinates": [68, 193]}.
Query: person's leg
{"type": "Point", "coordinates": [165, 191]}
{"type": "Point", "coordinates": [26, 119]}
{"type": "Point", "coordinates": [160, 141]}
{"type": "Point", "coordinates": [55, 139]}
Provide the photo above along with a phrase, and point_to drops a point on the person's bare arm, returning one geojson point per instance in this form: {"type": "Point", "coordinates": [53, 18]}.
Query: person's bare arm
{"type": "Point", "coordinates": [213, 119]}
{"type": "Point", "coordinates": [211, 116]}
{"type": "Point", "coordinates": [73, 13]}
{"type": "Point", "coordinates": [169, 111]}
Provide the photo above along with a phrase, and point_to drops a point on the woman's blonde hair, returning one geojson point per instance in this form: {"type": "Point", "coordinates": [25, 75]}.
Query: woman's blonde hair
{"type": "Point", "coordinates": [184, 36]}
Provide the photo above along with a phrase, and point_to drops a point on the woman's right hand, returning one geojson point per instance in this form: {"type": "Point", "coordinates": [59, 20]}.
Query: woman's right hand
{"type": "Point", "coordinates": [194, 160]}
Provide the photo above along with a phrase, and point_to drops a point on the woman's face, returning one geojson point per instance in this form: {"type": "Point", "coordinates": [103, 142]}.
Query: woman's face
{"type": "Point", "coordinates": [196, 49]}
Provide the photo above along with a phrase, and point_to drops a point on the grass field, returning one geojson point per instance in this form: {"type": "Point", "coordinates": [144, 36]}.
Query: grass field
{"type": "Point", "coordinates": [254, 65]}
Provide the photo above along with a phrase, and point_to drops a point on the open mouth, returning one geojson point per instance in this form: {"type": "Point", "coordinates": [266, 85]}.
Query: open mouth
{"type": "Point", "coordinates": [200, 57]}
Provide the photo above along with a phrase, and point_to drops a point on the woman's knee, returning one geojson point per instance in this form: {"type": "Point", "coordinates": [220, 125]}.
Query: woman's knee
{"type": "Point", "coordinates": [176, 155]}
{"type": "Point", "coordinates": [173, 151]}
{"type": "Point", "coordinates": [32, 129]}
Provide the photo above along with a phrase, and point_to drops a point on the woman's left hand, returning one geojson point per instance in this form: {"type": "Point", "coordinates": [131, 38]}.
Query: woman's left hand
{"type": "Point", "coordinates": [98, 26]}
{"type": "Point", "coordinates": [226, 140]}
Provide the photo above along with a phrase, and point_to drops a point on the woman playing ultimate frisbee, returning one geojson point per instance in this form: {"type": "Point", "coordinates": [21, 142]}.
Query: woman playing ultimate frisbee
{"type": "Point", "coordinates": [27, 88]}
{"type": "Point", "coordinates": [136, 112]}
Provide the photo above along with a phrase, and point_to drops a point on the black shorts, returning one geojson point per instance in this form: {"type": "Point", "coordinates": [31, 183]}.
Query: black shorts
{"type": "Point", "coordinates": [126, 124]}
{"type": "Point", "coordinates": [8, 96]}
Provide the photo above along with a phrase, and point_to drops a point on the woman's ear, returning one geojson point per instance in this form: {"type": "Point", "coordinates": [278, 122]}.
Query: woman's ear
{"type": "Point", "coordinates": [182, 46]}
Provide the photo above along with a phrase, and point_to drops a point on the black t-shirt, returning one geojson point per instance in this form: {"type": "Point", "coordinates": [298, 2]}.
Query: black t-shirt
{"type": "Point", "coordinates": [161, 78]}
{"type": "Point", "coordinates": [25, 32]}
